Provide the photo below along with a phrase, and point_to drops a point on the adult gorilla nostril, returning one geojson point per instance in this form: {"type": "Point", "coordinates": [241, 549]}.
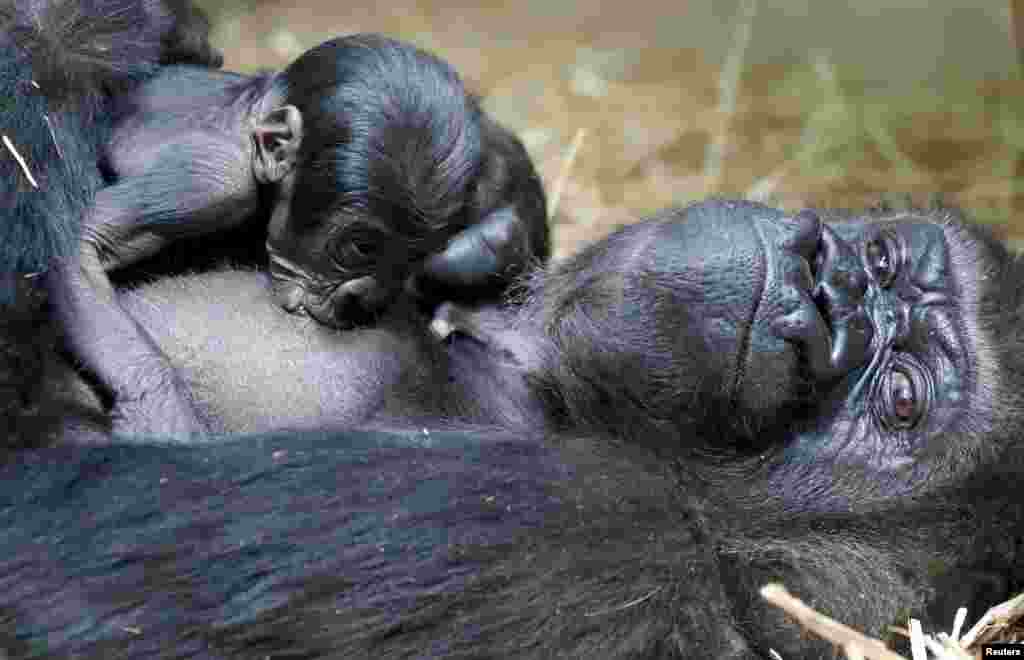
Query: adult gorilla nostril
{"type": "Point", "coordinates": [839, 291]}
{"type": "Point", "coordinates": [840, 277]}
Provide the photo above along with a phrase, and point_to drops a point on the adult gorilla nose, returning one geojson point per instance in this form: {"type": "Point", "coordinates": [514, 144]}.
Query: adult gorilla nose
{"type": "Point", "coordinates": [829, 321]}
{"type": "Point", "coordinates": [840, 292]}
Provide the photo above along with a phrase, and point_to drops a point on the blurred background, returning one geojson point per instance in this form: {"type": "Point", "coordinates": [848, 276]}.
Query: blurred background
{"type": "Point", "coordinates": [627, 107]}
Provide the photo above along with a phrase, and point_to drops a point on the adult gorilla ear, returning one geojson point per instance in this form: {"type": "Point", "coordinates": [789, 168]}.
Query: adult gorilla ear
{"type": "Point", "coordinates": [277, 137]}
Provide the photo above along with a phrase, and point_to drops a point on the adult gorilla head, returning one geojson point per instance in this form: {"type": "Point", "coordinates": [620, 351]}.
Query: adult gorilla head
{"type": "Point", "coordinates": [875, 331]}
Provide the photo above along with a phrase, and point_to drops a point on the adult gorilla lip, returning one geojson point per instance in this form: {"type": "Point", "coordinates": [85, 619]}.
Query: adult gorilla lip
{"type": "Point", "coordinates": [826, 320]}
{"type": "Point", "coordinates": [784, 320]}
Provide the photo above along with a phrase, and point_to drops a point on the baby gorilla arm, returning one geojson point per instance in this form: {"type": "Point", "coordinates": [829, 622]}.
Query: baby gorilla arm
{"type": "Point", "coordinates": [195, 182]}
{"type": "Point", "coordinates": [148, 396]}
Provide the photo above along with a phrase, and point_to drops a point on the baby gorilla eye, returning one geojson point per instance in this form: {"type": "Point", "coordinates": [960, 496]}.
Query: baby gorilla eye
{"type": "Point", "coordinates": [880, 258]}
{"type": "Point", "coordinates": [362, 248]}
{"type": "Point", "coordinates": [902, 405]}
{"type": "Point", "coordinates": [355, 250]}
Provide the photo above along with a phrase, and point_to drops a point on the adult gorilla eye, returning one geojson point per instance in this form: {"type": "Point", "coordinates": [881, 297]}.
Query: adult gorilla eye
{"type": "Point", "coordinates": [880, 257]}
{"type": "Point", "coordinates": [903, 404]}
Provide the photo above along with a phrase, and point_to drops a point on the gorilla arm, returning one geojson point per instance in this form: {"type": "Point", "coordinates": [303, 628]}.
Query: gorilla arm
{"type": "Point", "coordinates": [153, 205]}
{"type": "Point", "coordinates": [60, 61]}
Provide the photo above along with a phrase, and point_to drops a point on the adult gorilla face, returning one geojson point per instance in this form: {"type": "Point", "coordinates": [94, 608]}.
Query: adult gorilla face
{"type": "Point", "coordinates": [847, 334]}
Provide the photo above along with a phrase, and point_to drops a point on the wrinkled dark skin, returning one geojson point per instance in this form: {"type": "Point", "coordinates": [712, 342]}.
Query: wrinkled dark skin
{"type": "Point", "coordinates": [323, 148]}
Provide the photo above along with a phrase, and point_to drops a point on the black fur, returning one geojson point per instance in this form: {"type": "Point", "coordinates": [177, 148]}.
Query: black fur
{"type": "Point", "coordinates": [61, 63]}
{"type": "Point", "coordinates": [369, 545]}
{"type": "Point", "coordinates": [636, 517]}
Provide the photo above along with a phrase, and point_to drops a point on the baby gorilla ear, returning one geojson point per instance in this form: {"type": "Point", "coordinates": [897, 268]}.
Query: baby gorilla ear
{"type": "Point", "coordinates": [277, 139]}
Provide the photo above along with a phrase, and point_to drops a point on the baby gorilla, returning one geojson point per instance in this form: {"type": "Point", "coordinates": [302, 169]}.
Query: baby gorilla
{"type": "Point", "coordinates": [367, 154]}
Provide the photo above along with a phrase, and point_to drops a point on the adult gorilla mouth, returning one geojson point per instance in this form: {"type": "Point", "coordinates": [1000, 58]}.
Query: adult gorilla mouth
{"type": "Point", "coordinates": [806, 325]}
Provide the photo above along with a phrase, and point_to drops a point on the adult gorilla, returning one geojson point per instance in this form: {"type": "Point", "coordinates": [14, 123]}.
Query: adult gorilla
{"type": "Point", "coordinates": [739, 396]}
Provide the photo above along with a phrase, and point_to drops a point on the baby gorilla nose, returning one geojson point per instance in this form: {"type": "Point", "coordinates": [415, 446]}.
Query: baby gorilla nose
{"type": "Point", "coordinates": [289, 296]}
{"type": "Point", "coordinates": [354, 303]}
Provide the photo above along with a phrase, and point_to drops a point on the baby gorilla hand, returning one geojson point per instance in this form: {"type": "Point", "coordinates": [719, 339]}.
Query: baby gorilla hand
{"type": "Point", "coordinates": [479, 261]}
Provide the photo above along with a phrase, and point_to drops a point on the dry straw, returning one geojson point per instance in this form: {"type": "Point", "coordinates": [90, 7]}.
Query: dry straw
{"type": "Point", "coordinates": [1002, 623]}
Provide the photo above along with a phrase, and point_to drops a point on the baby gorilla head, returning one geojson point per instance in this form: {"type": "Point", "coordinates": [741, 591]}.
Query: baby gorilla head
{"type": "Point", "coordinates": [390, 168]}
